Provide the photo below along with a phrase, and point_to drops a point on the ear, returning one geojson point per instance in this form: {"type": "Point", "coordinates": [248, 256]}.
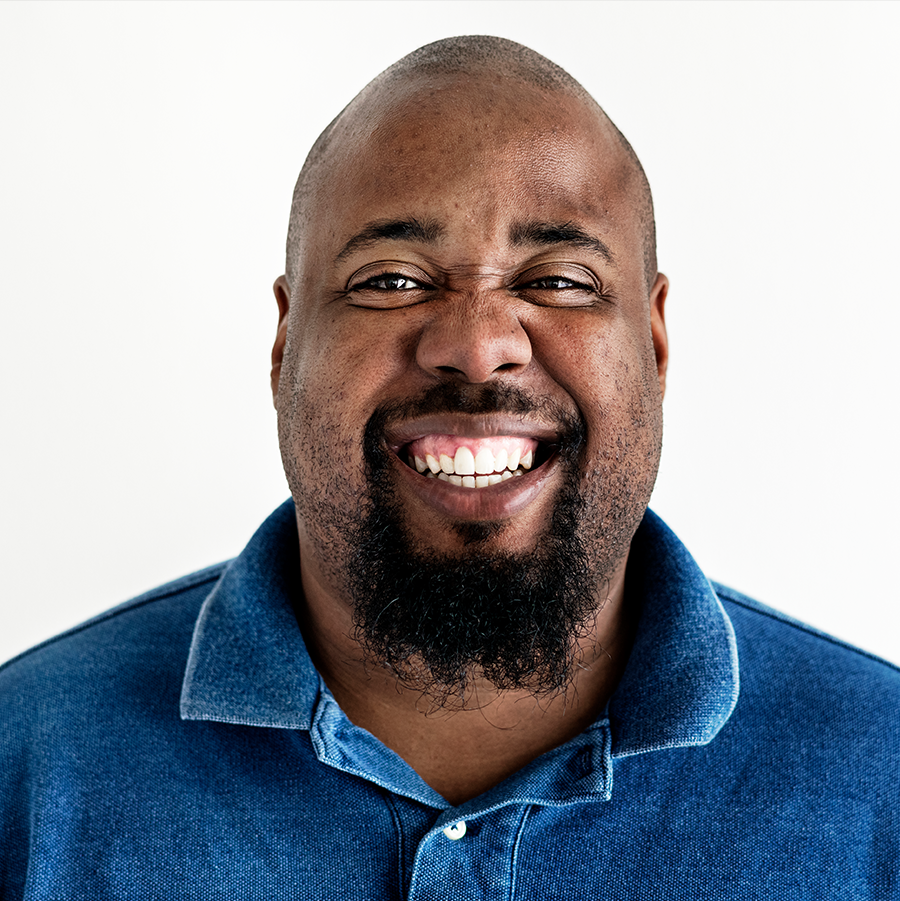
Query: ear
{"type": "Point", "coordinates": [658, 328]}
{"type": "Point", "coordinates": [283, 296]}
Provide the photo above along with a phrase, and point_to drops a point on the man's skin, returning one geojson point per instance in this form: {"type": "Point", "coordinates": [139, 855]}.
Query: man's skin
{"type": "Point", "coordinates": [475, 156]}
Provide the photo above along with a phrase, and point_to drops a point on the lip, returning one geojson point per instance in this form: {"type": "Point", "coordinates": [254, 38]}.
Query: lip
{"type": "Point", "coordinates": [486, 426]}
{"type": "Point", "coordinates": [495, 502]}
{"type": "Point", "coordinates": [477, 504]}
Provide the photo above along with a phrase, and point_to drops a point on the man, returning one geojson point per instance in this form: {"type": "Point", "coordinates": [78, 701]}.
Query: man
{"type": "Point", "coordinates": [464, 661]}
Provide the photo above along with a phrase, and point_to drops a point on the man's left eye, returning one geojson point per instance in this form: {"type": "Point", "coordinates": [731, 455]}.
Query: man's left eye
{"type": "Point", "coordinates": [578, 288]}
{"type": "Point", "coordinates": [556, 283]}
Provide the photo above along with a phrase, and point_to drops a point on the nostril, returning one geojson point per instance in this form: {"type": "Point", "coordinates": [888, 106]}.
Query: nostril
{"type": "Point", "coordinates": [473, 341]}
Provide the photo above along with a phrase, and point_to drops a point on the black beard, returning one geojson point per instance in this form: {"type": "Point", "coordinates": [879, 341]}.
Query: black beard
{"type": "Point", "coordinates": [438, 620]}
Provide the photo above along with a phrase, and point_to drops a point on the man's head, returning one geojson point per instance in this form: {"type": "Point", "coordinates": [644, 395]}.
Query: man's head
{"type": "Point", "coordinates": [471, 277]}
{"type": "Point", "coordinates": [470, 57]}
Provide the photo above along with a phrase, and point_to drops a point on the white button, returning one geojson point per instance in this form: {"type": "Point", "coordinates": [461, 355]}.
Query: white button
{"type": "Point", "coordinates": [456, 831]}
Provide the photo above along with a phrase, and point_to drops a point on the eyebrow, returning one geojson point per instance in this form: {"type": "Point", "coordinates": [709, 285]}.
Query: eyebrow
{"type": "Point", "coordinates": [549, 234]}
{"type": "Point", "coordinates": [535, 233]}
{"type": "Point", "coordinates": [392, 230]}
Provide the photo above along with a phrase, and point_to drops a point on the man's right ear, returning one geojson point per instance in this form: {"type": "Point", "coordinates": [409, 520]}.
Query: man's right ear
{"type": "Point", "coordinates": [283, 296]}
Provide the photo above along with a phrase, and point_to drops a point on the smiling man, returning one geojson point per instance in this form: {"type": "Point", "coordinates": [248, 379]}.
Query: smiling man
{"type": "Point", "coordinates": [477, 336]}
{"type": "Point", "coordinates": [464, 661]}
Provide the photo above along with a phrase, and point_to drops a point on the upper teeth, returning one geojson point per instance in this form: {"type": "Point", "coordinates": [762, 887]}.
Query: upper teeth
{"type": "Point", "coordinates": [485, 463]}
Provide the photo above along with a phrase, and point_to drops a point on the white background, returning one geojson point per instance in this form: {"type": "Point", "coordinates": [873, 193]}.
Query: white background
{"type": "Point", "coordinates": [147, 159]}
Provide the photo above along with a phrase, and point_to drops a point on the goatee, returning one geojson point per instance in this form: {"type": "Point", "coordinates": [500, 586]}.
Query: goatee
{"type": "Point", "coordinates": [439, 621]}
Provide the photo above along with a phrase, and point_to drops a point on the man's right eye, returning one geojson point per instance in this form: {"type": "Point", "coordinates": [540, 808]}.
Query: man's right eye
{"type": "Point", "coordinates": [390, 281]}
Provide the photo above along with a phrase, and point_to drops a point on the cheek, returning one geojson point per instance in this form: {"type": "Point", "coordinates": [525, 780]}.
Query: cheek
{"type": "Point", "coordinates": [609, 370]}
{"type": "Point", "coordinates": [587, 358]}
{"type": "Point", "coordinates": [341, 368]}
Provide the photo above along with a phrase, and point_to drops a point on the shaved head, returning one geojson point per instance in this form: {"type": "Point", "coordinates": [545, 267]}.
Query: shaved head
{"type": "Point", "coordinates": [470, 259]}
{"type": "Point", "coordinates": [475, 60]}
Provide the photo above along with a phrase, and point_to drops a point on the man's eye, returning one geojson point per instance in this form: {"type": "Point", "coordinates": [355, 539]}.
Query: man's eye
{"type": "Point", "coordinates": [390, 281]}
{"type": "Point", "coordinates": [570, 286]}
{"type": "Point", "coordinates": [379, 286]}
{"type": "Point", "coordinates": [557, 283]}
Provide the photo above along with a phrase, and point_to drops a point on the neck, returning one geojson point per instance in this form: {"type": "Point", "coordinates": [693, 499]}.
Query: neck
{"type": "Point", "coordinates": [500, 730]}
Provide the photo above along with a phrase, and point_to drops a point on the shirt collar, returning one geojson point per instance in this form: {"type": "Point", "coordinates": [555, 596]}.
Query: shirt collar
{"type": "Point", "coordinates": [681, 682]}
{"type": "Point", "coordinates": [248, 663]}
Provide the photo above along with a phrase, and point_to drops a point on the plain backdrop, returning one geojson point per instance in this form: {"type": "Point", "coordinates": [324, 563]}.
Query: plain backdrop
{"type": "Point", "coordinates": [147, 159]}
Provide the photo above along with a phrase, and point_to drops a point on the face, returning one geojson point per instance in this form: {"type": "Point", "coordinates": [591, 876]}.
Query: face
{"type": "Point", "coordinates": [469, 342]}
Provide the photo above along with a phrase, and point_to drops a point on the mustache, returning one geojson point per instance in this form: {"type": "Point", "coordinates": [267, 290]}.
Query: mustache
{"type": "Point", "coordinates": [478, 400]}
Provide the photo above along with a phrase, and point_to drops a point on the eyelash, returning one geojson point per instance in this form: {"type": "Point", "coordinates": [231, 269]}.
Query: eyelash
{"type": "Point", "coordinates": [369, 283]}
{"type": "Point", "coordinates": [375, 285]}
{"type": "Point", "coordinates": [560, 278]}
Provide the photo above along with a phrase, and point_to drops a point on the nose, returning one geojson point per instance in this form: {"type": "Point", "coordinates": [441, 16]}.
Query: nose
{"type": "Point", "coordinates": [474, 339]}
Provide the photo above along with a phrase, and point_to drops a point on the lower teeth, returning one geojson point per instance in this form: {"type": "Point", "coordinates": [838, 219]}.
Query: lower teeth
{"type": "Point", "coordinates": [474, 481]}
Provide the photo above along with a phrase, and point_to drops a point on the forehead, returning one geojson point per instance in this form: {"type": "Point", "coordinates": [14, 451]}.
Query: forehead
{"type": "Point", "coordinates": [486, 150]}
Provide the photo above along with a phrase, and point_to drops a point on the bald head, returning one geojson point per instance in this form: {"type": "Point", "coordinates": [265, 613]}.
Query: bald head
{"type": "Point", "coordinates": [471, 62]}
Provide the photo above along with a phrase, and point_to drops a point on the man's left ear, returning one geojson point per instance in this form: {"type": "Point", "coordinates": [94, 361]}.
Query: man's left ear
{"type": "Point", "coordinates": [283, 297]}
{"type": "Point", "coordinates": [658, 328]}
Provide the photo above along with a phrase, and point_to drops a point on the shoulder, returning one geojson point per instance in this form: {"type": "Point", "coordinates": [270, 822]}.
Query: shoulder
{"type": "Point", "coordinates": [148, 634]}
{"type": "Point", "coordinates": [757, 620]}
{"type": "Point", "coordinates": [80, 710]}
{"type": "Point", "coordinates": [808, 686]}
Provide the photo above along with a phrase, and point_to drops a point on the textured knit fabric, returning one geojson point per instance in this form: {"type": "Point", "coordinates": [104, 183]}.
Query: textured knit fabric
{"type": "Point", "coordinates": [183, 746]}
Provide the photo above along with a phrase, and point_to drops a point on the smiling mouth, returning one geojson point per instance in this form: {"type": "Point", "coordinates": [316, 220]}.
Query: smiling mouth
{"type": "Point", "coordinates": [475, 462]}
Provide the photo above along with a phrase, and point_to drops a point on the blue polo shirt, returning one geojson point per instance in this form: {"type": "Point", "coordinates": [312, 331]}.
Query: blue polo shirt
{"type": "Point", "coordinates": [184, 746]}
